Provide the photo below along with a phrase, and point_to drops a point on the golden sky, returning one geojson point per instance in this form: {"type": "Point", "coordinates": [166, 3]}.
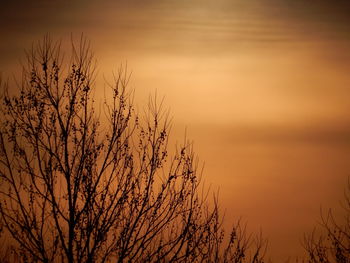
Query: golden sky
{"type": "Point", "coordinates": [262, 86]}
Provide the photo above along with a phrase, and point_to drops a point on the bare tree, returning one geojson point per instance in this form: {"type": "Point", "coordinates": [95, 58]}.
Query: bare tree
{"type": "Point", "coordinates": [74, 189]}
{"type": "Point", "coordinates": [332, 244]}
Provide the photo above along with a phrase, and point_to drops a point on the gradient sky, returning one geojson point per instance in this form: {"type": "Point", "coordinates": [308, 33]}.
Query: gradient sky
{"type": "Point", "coordinates": [263, 87]}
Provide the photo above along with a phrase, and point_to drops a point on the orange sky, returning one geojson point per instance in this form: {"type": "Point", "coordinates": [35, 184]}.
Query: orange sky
{"type": "Point", "coordinates": [262, 86]}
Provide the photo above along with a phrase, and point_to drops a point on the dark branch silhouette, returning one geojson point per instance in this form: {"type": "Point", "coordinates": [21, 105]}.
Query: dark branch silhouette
{"type": "Point", "coordinates": [77, 189]}
{"type": "Point", "coordinates": [332, 244]}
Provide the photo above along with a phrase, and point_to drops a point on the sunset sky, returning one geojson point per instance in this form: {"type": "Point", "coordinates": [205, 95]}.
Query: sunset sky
{"type": "Point", "coordinates": [261, 86]}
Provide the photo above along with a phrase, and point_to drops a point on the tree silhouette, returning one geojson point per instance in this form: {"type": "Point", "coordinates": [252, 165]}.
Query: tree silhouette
{"type": "Point", "coordinates": [77, 189]}
{"type": "Point", "coordinates": [332, 245]}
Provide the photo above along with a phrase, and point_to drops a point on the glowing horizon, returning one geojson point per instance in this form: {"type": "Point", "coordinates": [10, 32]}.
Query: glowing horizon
{"type": "Point", "coordinates": [261, 87]}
